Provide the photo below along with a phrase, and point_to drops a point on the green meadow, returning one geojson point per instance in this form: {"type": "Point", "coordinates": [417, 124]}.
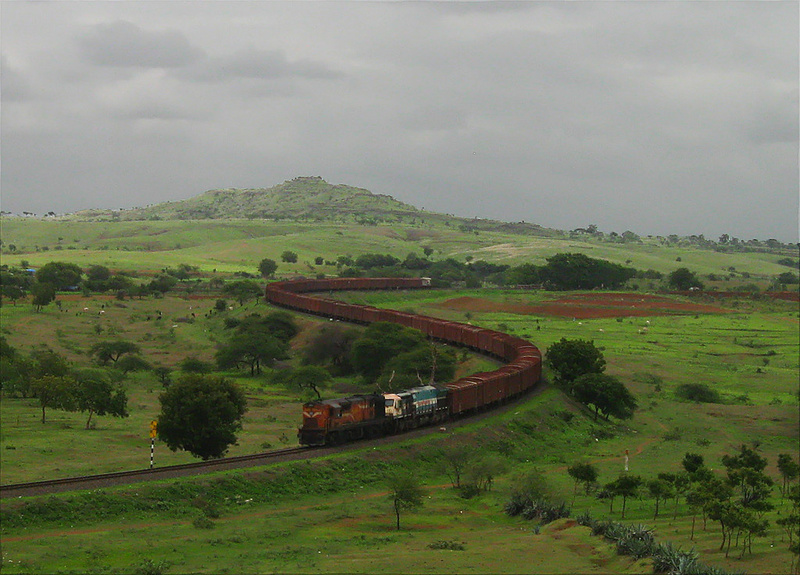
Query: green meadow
{"type": "Point", "coordinates": [333, 515]}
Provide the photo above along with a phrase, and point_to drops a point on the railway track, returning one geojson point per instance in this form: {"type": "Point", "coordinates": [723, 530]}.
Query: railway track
{"type": "Point", "coordinates": [155, 474]}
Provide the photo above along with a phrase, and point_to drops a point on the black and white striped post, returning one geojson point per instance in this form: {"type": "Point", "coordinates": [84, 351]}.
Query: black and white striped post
{"type": "Point", "coordinates": [153, 430]}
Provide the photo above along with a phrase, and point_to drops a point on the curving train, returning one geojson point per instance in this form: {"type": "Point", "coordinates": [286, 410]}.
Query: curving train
{"type": "Point", "coordinates": [335, 421]}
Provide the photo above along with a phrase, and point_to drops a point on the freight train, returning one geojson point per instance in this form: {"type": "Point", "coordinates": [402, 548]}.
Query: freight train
{"type": "Point", "coordinates": [335, 421]}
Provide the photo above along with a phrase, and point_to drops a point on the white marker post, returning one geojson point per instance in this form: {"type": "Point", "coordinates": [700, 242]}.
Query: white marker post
{"type": "Point", "coordinates": [153, 430]}
{"type": "Point", "coordinates": [626, 460]}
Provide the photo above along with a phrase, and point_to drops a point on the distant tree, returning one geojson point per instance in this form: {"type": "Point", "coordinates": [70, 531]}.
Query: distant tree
{"type": "Point", "coordinates": [625, 486]}
{"type": "Point", "coordinates": [310, 378]}
{"type": "Point", "coordinates": [454, 459]}
{"type": "Point", "coordinates": [201, 414]}
{"type": "Point", "coordinates": [578, 271]}
{"type": "Point", "coordinates": [682, 279]}
{"type": "Point", "coordinates": [405, 493]}
{"type": "Point", "coordinates": [164, 375]}
{"type": "Point", "coordinates": [606, 393]}
{"type": "Point", "coordinates": [220, 305]}
{"type": "Point", "coordinates": [319, 260]}
{"type": "Point", "coordinates": [424, 364]}
{"type": "Point", "coordinates": [788, 278]}
{"type": "Point", "coordinates": [96, 394]}
{"type": "Point", "coordinates": [162, 283]}
{"type": "Point", "coordinates": [659, 490]}
{"type": "Point", "coordinates": [43, 294]}
{"type": "Point", "coordinates": [571, 358]}
{"type": "Point", "coordinates": [289, 256]}
{"type": "Point", "coordinates": [193, 364]}
{"type": "Point", "coordinates": [789, 470]}
{"type": "Point", "coordinates": [330, 345]}
{"type": "Point", "coordinates": [267, 267]}
{"type": "Point", "coordinates": [61, 275]}
{"type": "Point", "coordinates": [106, 351]}
{"type": "Point", "coordinates": [692, 462]}
{"type": "Point", "coordinates": [97, 278]}
{"type": "Point", "coordinates": [242, 290]}
{"type": "Point", "coordinates": [585, 473]}
{"type": "Point", "coordinates": [379, 343]}
{"type": "Point", "coordinates": [132, 362]}
{"type": "Point", "coordinates": [251, 349]}
{"type": "Point", "coordinates": [54, 392]}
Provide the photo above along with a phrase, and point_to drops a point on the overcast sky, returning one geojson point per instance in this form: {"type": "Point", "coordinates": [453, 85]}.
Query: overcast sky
{"type": "Point", "coordinates": [657, 117]}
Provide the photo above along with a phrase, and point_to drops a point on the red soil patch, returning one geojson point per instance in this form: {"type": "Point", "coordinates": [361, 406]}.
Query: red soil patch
{"type": "Point", "coordinates": [587, 306]}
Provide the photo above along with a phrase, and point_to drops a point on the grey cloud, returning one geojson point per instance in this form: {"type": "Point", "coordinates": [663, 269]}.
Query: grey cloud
{"type": "Point", "coordinates": [15, 86]}
{"type": "Point", "coordinates": [124, 44]}
{"type": "Point", "coordinates": [252, 63]}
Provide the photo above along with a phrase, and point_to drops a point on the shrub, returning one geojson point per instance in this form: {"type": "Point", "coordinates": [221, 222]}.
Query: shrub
{"type": "Point", "coordinates": [699, 392]}
{"type": "Point", "coordinates": [203, 522]}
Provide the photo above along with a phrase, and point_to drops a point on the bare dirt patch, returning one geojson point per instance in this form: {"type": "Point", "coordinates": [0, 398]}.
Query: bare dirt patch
{"type": "Point", "coordinates": [587, 306]}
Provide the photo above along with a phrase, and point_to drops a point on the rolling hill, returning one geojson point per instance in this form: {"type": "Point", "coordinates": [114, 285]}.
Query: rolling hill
{"type": "Point", "coordinates": [308, 198]}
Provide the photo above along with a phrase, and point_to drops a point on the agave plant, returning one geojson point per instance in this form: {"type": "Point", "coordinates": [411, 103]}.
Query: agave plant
{"type": "Point", "coordinates": [674, 561]}
{"type": "Point", "coordinates": [585, 519]}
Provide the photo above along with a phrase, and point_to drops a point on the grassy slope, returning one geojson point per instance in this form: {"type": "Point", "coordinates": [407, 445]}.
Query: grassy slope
{"type": "Point", "coordinates": [234, 245]}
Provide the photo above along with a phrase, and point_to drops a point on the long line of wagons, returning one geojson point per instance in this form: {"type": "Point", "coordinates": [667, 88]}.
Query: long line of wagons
{"type": "Point", "coordinates": [339, 420]}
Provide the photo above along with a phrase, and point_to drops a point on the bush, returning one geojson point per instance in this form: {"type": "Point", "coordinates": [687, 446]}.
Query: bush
{"type": "Point", "coordinates": [203, 522]}
{"type": "Point", "coordinates": [699, 392]}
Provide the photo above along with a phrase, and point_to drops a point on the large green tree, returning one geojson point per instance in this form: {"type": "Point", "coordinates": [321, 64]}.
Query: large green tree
{"type": "Point", "coordinates": [112, 351]}
{"type": "Point", "coordinates": [379, 343]}
{"type": "Point", "coordinates": [606, 393]}
{"type": "Point", "coordinates": [201, 414]}
{"type": "Point", "coordinates": [683, 279]}
{"type": "Point", "coordinates": [96, 394]}
{"type": "Point", "coordinates": [267, 267]}
{"type": "Point", "coordinates": [572, 358]}
{"type": "Point", "coordinates": [61, 275]}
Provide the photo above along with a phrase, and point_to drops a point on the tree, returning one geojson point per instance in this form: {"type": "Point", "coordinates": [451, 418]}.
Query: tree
{"type": "Point", "coordinates": [454, 458]}
{"type": "Point", "coordinates": [106, 351]}
{"type": "Point", "coordinates": [242, 290]}
{"type": "Point", "coordinates": [267, 267]}
{"type": "Point", "coordinates": [585, 473]}
{"type": "Point", "coordinates": [789, 470]}
{"type": "Point", "coordinates": [55, 392]}
{"type": "Point", "coordinates": [43, 294]}
{"type": "Point", "coordinates": [252, 349]}
{"type": "Point", "coordinates": [289, 256]}
{"type": "Point", "coordinates": [330, 345]}
{"type": "Point", "coordinates": [571, 358]}
{"type": "Point", "coordinates": [310, 378]}
{"type": "Point", "coordinates": [683, 279]}
{"type": "Point", "coordinates": [378, 344]}
{"type": "Point", "coordinates": [606, 393]}
{"type": "Point", "coordinates": [625, 486]}
{"type": "Point", "coordinates": [193, 364]}
{"type": "Point", "coordinates": [405, 493]}
{"type": "Point", "coordinates": [658, 490]}
{"type": "Point", "coordinates": [96, 394]}
{"type": "Point", "coordinates": [61, 275]}
{"type": "Point", "coordinates": [132, 362]}
{"type": "Point", "coordinates": [692, 462]}
{"type": "Point", "coordinates": [201, 414]}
